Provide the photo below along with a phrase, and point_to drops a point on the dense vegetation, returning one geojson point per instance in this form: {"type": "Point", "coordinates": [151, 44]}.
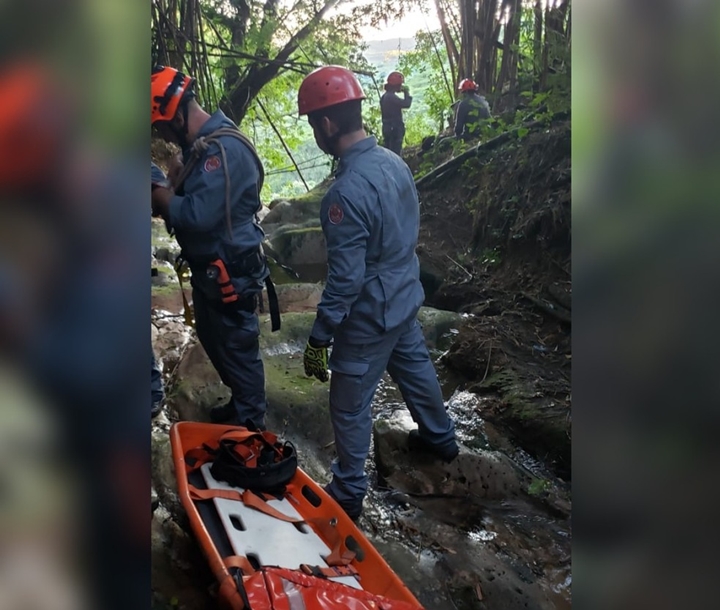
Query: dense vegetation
{"type": "Point", "coordinates": [249, 59]}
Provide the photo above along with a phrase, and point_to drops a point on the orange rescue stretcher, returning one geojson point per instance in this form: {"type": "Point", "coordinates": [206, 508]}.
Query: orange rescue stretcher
{"type": "Point", "coordinates": [296, 550]}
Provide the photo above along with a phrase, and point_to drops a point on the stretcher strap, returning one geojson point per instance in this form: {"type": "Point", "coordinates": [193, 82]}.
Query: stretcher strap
{"type": "Point", "coordinates": [340, 555]}
{"type": "Point", "coordinates": [247, 497]}
{"type": "Point", "coordinates": [328, 572]}
{"type": "Point", "coordinates": [207, 453]}
{"type": "Point", "coordinates": [239, 561]}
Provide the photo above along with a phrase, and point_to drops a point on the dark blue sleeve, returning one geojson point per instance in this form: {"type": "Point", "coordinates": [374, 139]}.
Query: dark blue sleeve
{"type": "Point", "coordinates": [346, 231]}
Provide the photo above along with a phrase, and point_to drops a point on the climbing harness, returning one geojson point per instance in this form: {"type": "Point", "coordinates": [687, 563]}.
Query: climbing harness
{"type": "Point", "coordinates": [252, 460]}
{"type": "Point", "coordinates": [199, 147]}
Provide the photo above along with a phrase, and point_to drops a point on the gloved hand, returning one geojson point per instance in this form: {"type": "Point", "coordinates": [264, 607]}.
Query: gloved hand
{"type": "Point", "coordinates": [406, 89]}
{"type": "Point", "coordinates": [315, 359]}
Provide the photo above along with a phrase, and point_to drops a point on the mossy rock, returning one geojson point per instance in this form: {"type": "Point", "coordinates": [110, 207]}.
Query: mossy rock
{"type": "Point", "coordinates": [298, 247]}
{"type": "Point", "coordinates": [539, 424]}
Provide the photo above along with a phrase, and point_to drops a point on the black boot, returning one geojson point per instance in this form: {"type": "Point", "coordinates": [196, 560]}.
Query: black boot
{"type": "Point", "coordinates": [418, 443]}
{"type": "Point", "coordinates": [224, 414]}
{"type": "Point", "coordinates": [353, 511]}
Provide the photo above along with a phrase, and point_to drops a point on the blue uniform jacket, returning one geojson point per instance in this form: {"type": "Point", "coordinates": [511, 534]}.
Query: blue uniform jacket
{"type": "Point", "coordinates": [370, 217]}
{"type": "Point", "coordinates": [470, 112]}
{"type": "Point", "coordinates": [198, 212]}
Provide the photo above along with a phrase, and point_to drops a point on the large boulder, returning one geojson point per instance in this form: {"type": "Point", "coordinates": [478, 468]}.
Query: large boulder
{"type": "Point", "coordinates": [479, 475]}
{"type": "Point", "coordinates": [302, 248]}
{"type": "Point", "coordinates": [295, 211]}
{"type": "Point", "coordinates": [298, 297]}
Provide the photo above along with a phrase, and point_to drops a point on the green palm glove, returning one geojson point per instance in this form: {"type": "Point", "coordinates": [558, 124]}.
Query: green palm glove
{"type": "Point", "coordinates": [315, 359]}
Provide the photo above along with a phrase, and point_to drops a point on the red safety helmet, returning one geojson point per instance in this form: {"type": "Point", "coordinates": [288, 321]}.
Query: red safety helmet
{"type": "Point", "coordinates": [467, 84]}
{"type": "Point", "coordinates": [328, 86]}
{"type": "Point", "coordinates": [396, 79]}
{"type": "Point", "coordinates": [168, 87]}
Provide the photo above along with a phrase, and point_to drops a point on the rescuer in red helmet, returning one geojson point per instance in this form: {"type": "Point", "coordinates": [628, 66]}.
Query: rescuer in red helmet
{"type": "Point", "coordinates": [471, 111]}
{"type": "Point", "coordinates": [368, 312]}
{"type": "Point", "coordinates": [391, 107]}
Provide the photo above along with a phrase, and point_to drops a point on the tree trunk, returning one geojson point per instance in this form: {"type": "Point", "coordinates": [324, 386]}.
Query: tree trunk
{"type": "Point", "coordinates": [450, 47]}
{"type": "Point", "coordinates": [537, 45]}
{"type": "Point", "coordinates": [467, 48]}
{"type": "Point", "coordinates": [487, 33]}
{"type": "Point", "coordinates": [508, 67]}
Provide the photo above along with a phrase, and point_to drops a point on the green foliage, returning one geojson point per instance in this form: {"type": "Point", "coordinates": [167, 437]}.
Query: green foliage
{"type": "Point", "coordinates": [234, 44]}
{"type": "Point", "coordinates": [425, 73]}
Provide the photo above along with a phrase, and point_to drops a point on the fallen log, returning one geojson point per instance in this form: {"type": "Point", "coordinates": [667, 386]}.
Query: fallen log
{"type": "Point", "coordinates": [555, 311]}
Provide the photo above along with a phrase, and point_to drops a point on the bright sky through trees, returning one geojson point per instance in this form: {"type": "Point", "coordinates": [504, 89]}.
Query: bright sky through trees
{"type": "Point", "coordinates": [408, 26]}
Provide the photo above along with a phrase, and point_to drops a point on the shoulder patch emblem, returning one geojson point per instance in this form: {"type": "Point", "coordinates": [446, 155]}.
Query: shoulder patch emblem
{"type": "Point", "coordinates": [212, 163]}
{"type": "Point", "coordinates": [335, 214]}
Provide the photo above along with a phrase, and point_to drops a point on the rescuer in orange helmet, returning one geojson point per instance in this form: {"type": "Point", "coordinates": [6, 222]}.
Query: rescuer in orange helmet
{"type": "Point", "coordinates": [211, 207]}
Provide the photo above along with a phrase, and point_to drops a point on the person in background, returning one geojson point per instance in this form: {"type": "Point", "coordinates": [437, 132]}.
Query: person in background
{"type": "Point", "coordinates": [368, 311]}
{"type": "Point", "coordinates": [391, 107]}
{"type": "Point", "coordinates": [211, 207]}
{"type": "Point", "coordinates": [471, 111]}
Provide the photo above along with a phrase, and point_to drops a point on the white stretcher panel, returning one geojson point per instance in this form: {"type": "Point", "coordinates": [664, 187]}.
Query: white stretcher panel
{"type": "Point", "coordinates": [269, 541]}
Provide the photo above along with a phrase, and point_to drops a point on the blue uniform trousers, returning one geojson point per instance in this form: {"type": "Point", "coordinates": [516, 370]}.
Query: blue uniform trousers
{"type": "Point", "coordinates": [393, 135]}
{"type": "Point", "coordinates": [230, 338]}
{"type": "Point", "coordinates": [357, 368]}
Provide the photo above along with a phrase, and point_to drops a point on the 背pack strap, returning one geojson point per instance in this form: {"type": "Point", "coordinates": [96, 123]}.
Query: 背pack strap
{"type": "Point", "coordinates": [273, 304]}
{"type": "Point", "coordinates": [201, 145]}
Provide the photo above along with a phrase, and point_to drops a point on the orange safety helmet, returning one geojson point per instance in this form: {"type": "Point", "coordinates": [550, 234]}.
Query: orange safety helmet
{"type": "Point", "coordinates": [467, 84]}
{"type": "Point", "coordinates": [168, 87]}
{"type": "Point", "coordinates": [35, 123]}
{"type": "Point", "coordinates": [396, 79]}
{"type": "Point", "coordinates": [328, 86]}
